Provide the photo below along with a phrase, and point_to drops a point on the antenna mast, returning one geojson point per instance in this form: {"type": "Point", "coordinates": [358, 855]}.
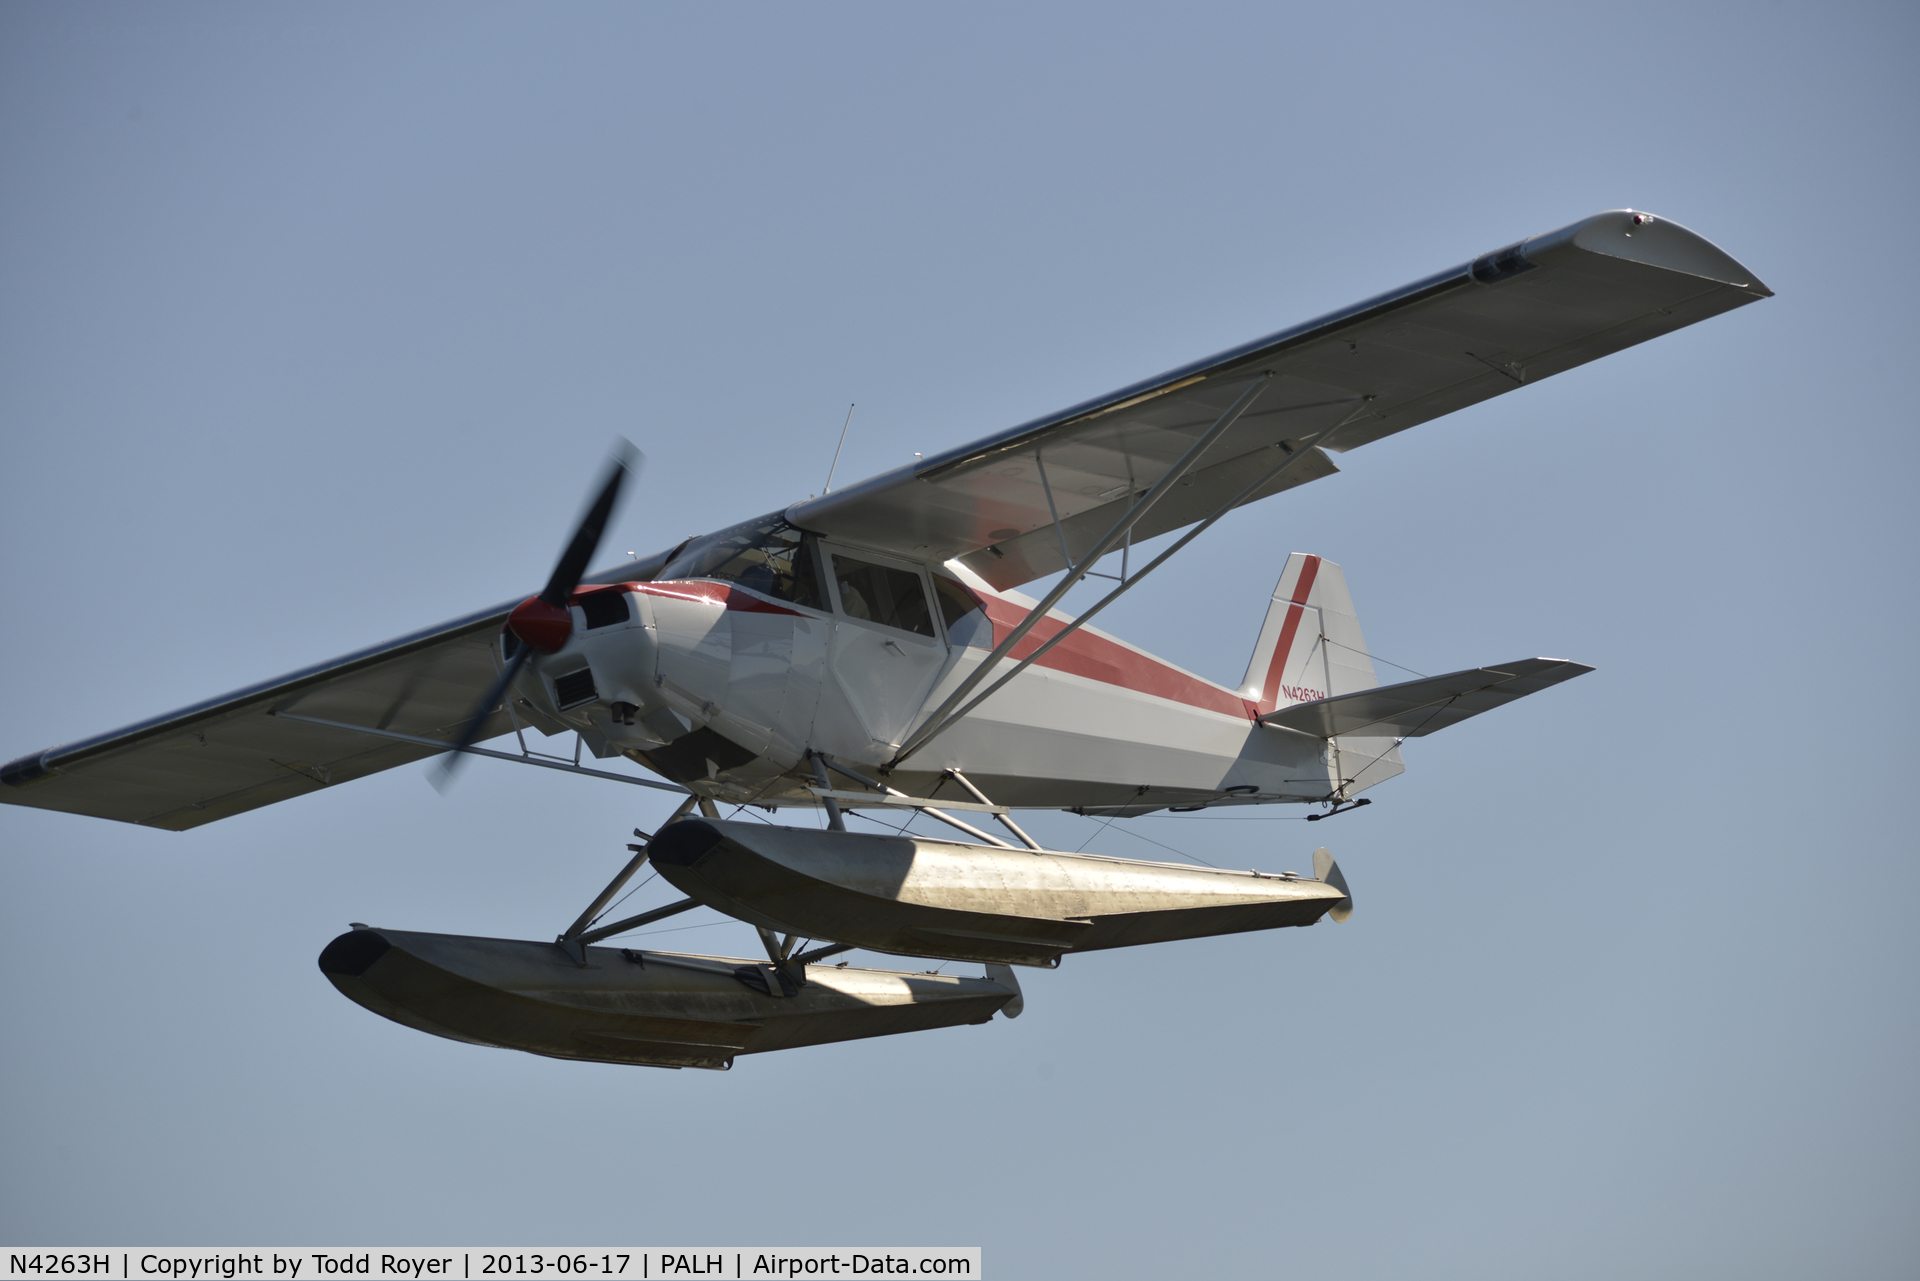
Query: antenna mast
{"type": "Point", "coordinates": [836, 452]}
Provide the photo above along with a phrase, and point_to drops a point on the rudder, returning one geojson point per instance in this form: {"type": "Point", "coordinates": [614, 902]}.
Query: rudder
{"type": "Point", "coordinates": [1310, 648]}
{"type": "Point", "coordinates": [1310, 645]}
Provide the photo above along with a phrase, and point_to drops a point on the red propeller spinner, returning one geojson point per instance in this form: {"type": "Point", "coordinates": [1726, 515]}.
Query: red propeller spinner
{"type": "Point", "coordinates": [542, 626]}
{"type": "Point", "coordinates": [544, 622]}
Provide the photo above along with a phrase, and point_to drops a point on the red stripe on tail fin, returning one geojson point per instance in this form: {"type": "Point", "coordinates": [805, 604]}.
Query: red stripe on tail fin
{"type": "Point", "coordinates": [1276, 669]}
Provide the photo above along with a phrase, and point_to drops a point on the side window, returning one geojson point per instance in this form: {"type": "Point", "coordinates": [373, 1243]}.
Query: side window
{"type": "Point", "coordinates": [604, 609]}
{"type": "Point", "coordinates": [882, 594]}
{"type": "Point", "coordinates": [966, 620]}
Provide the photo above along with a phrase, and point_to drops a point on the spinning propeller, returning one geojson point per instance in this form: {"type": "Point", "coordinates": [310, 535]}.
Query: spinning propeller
{"type": "Point", "coordinates": [544, 623]}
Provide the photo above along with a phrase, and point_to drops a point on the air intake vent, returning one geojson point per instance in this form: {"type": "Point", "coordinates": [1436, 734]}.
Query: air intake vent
{"type": "Point", "coordinates": [575, 688]}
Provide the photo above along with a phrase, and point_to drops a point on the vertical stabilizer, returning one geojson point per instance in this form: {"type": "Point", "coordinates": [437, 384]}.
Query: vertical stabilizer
{"type": "Point", "coordinates": [1310, 648]}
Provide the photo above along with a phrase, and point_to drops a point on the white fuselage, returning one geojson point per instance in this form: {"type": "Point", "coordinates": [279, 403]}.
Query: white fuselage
{"type": "Point", "coordinates": [728, 690]}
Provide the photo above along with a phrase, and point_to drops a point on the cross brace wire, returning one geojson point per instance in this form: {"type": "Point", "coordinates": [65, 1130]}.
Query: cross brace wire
{"type": "Point", "coordinates": [605, 896]}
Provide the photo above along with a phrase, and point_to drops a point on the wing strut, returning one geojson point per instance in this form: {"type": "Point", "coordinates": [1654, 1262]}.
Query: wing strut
{"type": "Point", "coordinates": [529, 759]}
{"type": "Point", "coordinates": [1076, 572]}
{"type": "Point", "coordinates": [1053, 510]}
{"type": "Point", "coordinates": [939, 726]}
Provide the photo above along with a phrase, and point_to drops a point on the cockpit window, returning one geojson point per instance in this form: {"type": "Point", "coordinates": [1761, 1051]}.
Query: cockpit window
{"type": "Point", "coordinates": [882, 594]}
{"type": "Point", "coordinates": [767, 555]}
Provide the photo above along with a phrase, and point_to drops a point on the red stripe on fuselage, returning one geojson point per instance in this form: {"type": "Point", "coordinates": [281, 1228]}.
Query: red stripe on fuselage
{"type": "Point", "coordinates": [709, 592]}
{"type": "Point", "coordinates": [1093, 656]}
{"type": "Point", "coordinates": [1084, 653]}
{"type": "Point", "coordinates": [1277, 668]}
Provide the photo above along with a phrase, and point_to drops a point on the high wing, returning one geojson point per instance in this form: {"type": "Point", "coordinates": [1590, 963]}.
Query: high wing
{"type": "Point", "coordinates": [1415, 708]}
{"type": "Point", "coordinates": [240, 751]}
{"type": "Point", "coordinates": [1487, 326]}
{"type": "Point", "coordinates": [229, 754]}
{"type": "Point", "coordinates": [1507, 318]}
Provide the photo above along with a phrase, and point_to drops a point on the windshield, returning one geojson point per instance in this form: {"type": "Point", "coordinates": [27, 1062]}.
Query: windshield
{"type": "Point", "coordinates": [766, 555]}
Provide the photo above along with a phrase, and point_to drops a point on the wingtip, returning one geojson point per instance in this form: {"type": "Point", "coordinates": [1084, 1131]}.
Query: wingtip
{"type": "Point", "coordinates": [1634, 235]}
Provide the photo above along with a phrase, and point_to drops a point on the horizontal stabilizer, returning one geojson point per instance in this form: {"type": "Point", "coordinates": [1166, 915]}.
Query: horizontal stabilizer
{"type": "Point", "coordinates": [1413, 708]}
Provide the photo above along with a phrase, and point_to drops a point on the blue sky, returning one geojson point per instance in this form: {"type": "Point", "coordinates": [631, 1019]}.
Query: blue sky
{"type": "Point", "coordinates": [316, 322]}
